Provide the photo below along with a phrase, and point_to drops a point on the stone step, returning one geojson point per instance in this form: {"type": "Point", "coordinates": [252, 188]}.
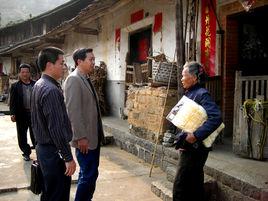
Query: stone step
{"type": "Point", "coordinates": [163, 189]}
{"type": "Point", "coordinates": [222, 165]}
{"type": "Point", "coordinates": [108, 138]}
{"type": "Point", "coordinates": [171, 173]}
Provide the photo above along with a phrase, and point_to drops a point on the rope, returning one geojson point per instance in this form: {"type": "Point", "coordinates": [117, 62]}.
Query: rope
{"type": "Point", "coordinates": [161, 123]}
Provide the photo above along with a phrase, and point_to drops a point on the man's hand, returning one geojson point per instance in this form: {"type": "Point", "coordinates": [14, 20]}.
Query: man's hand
{"type": "Point", "coordinates": [13, 118]}
{"type": "Point", "coordinates": [83, 145]}
{"type": "Point", "coordinates": [70, 168]}
{"type": "Point", "coordinates": [190, 138]}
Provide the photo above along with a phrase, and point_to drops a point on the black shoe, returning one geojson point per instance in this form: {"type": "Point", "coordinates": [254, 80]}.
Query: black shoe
{"type": "Point", "coordinates": [26, 157]}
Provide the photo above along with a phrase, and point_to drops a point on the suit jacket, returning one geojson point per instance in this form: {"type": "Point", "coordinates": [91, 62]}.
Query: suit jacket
{"type": "Point", "coordinates": [83, 110]}
{"type": "Point", "coordinates": [16, 99]}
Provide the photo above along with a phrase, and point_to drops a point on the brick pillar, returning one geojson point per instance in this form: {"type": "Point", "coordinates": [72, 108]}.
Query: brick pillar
{"type": "Point", "coordinates": [231, 64]}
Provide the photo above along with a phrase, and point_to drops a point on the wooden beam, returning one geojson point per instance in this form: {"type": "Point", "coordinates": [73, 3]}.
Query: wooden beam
{"type": "Point", "coordinates": [85, 30]}
{"type": "Point", "coordinates": [54, 40]}
{"type": "Point", "coordinates": [179, 44]}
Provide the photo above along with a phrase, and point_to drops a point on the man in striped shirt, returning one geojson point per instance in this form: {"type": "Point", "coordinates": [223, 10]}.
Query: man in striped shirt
{"type": "Point", "coordinates": [52, 128]}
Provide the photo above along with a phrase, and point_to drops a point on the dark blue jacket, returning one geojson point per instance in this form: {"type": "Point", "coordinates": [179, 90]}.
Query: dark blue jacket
{"type": "Point", "coordinates": [203, 98]}
{"type": "Point", "coordinates": [16, 99]}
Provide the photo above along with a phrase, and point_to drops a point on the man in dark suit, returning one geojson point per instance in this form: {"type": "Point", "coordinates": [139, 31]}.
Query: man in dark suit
{"type": "Point", "coordinates": [20, 94]}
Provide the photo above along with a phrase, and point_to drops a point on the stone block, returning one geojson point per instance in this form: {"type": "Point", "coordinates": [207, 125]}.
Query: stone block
{"type": "Point", "coordinates": [149, 91]}
{"type": "Point", "coordinates": [152, 101]}
{"type": "Point", "coordinates": [142, 99]}
{"type": "Point", "coordinates": [155, 92]}
{"type": "Point", "coordinates": [152, 118]}
{"type": "Point", "coordinates": [141, 153]}
{"type": "Point", "coordinates": [161, 102]}
{"type": "Point", "coordinates": [135, 105]}
{"type": "Point", "coordinates": [148, 156]}
{"type": "Point", "coordinates": [251, 191]}
{"type": "Point", "coordinates": [143, 91]}
{"type": "Point", "coordinates": [129, 104]}
{"type": "Point", "coordinates": [162, 189]}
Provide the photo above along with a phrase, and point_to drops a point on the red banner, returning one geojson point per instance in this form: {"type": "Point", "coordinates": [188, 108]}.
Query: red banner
{"type": "Point", "coordinates": [208, 36]}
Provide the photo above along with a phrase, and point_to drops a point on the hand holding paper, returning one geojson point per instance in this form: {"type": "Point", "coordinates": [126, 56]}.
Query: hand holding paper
{"type": "Point", "coordinates": [189, 116]}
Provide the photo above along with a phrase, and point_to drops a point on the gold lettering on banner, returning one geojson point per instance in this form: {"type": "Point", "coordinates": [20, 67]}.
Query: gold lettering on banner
{"type": "Point", "coordinates": [207, 36]}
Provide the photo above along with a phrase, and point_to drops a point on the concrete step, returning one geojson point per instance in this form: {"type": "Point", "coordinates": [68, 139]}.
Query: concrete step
{"type": "Point", "coordinates": [163, 189]}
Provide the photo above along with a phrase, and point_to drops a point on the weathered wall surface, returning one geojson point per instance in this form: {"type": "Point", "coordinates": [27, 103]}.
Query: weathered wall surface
{"type": "Point", "coordinates": [147, 110]}
{"type": "Point", "coordinates": [6, 61]}
{"type": "Point", "coordinates": [106, 49]}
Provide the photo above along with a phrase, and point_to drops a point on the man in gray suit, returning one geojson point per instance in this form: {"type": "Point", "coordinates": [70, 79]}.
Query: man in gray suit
{"type": "Point", "coordinates": [84, 114]}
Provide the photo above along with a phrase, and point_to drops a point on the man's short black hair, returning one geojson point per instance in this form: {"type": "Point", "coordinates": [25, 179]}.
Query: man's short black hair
{"type": "Point", "coordinates": [24, 65]}
{"type": "Point", "coordinates": [81, 54]}
{"type": "Point", "coordinates": [48, 54]}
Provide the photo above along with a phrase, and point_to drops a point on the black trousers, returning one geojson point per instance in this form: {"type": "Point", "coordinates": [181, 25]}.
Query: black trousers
{"type": "Point", "coordinates": [23, 124]}
{"type": "Point", "coordinates": [56, 186]}
{"type": "Point", "coordinates": [189, 180]}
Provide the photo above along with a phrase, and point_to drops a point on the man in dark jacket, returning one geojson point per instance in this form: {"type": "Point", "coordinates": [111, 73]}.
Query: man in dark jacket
{"type": "Point", "coordinates": [189, 181]}
{"type": "Point", "coordinates": [20, 94]}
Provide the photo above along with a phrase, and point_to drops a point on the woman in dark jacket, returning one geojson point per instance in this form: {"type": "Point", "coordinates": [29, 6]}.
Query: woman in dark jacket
{"type": "Point", "coordinates": [188, 184]}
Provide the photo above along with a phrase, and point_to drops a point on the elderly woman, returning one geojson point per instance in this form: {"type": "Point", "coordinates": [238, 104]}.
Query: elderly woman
{"type": "Point", "coordinates": [188, 184]}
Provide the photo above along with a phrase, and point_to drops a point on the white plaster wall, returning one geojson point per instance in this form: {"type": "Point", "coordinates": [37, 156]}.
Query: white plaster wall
{"type": "Point", "coordinates": [105, 48]}
{"type": "Point", "coordinates": [104, 45]}
{"type": "Point", "coordinates": [6, 65]}
{"type": "Point", "coordinates": [74, 41]}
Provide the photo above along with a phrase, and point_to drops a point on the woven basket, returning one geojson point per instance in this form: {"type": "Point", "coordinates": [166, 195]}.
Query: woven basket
{"type": "Point", "coordinates": [161, 72]}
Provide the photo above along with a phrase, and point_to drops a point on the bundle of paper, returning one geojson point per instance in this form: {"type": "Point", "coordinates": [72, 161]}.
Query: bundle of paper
{"type": "Point", "coordinates": [212, 137]}
{"type": "Point", "coordinates": [189, 116]}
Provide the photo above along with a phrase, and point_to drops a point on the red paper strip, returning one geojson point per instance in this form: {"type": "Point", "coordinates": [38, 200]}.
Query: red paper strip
{"type": "Point", "coordinates": [137, 16]}
{"type": "Point", "coordinates": [157, 22]}
{"type": "Point", "coordinates": [117, 35]}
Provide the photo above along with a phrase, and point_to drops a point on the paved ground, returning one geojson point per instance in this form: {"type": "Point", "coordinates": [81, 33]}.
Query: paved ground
{"type": "Point", "coordinates": [123, 177]}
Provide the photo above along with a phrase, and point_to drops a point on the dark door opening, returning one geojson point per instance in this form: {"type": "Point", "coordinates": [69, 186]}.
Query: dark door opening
{"type": "Point", "coordinates": [253, 42]}
{"type": "Point", "coordinates": [140, 45]}
{"type": "Point", "coordinates": [138, 69]}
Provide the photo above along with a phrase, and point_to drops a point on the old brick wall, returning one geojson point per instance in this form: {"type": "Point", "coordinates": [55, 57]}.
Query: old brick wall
{"type": "Point", "coordinates": [145, 107]}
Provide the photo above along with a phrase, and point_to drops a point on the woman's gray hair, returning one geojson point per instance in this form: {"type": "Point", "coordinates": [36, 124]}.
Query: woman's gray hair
{"type": "Point", "coordinates": [196, 69]}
